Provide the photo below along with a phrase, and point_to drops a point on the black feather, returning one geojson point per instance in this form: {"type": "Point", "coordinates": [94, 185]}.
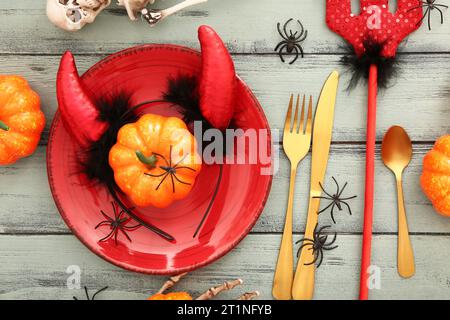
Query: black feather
{"type": "Point", "coordinates": [359, 66]}
{"type": "Point", "coordinates": [182, 91]}
{"type": "Point", "coordinates": [114, 111]}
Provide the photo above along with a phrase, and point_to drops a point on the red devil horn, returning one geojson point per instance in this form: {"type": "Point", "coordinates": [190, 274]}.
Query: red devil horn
{"type": "Point", "coordinates": [78, 111]}
{"type": "Point", "coordinates": [218, 79]}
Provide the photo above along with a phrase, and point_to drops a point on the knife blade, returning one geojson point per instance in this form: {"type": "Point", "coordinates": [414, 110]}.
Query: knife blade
{"type": "Point", "coordinates": [303, 287]}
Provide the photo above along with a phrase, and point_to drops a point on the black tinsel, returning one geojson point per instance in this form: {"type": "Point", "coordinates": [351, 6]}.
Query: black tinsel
{"type": "Point", "coordinates": [359, 66]}
{"type": "Point", "coordinates": [114, 111]}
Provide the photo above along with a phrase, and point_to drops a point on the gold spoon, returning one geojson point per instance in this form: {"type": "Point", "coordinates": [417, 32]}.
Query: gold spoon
{"type": "Point", "coordinates": [396, 152]}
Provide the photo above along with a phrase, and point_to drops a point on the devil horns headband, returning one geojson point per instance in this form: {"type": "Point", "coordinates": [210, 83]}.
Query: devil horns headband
{"type": "Point", "coordinates": [93, 125]}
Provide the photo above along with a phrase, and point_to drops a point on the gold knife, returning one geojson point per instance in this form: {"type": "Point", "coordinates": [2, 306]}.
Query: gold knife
{"type": "Point", "coordinates": [303, 287]}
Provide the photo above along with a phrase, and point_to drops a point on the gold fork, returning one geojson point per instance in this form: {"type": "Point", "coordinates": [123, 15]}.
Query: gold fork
{"type": "Point", "coordinates": [296, 144]}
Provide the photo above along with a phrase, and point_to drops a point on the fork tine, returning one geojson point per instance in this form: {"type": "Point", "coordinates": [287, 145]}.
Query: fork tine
{"type": "Point", "coordinates": [309, 121]}
{"type": "Point", "coordinates": [295, 124]}
{"type": "Point", "coordinates": [302, 119]}
{"type": "Point", "coordinates": [287, 122]}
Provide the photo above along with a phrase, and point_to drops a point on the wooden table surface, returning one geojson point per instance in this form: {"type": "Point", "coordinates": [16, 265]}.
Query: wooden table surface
{"type": "Point", "coordinates": [36, 247]}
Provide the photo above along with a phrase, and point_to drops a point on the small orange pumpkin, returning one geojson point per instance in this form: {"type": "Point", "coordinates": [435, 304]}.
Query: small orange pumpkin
{"type": "Point", "coordinates": [171, 296]}
{"type": "Point", "coordinates": [435, 180]}
{"type": "Point", "coordinates": [155, 160]}
{"type": "Point", "coordinates": [21, 119]}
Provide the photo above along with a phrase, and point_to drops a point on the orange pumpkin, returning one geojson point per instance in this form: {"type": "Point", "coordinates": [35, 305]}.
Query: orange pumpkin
{"type": "Point", "coordinates": [171, 296]}
{"type": "Point", "coordinates": [21, 119]}
{"type": "Point", "coordinates": [435, 180]}
{"type": "Point", "coordinates": [155, 160]}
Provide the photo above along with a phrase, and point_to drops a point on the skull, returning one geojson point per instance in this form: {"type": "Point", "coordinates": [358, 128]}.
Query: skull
{"type": "Point", "coordinates": [134, 6]}
{"type": "Point", "coordinates": [72, 15]}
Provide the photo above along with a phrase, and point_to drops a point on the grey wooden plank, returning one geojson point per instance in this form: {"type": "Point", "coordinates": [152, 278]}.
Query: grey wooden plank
{"type": "Point", "coordinates": [418, 100]}
{"type": "Point", "coordinates": [27, 205]}
{"type": "Point", "coordinates": [246, 26]}
{"type": "Point", "coordinates": [38, 271]}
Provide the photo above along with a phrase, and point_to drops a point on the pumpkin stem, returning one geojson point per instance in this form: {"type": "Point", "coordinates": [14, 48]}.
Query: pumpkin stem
{"type": "Point", "coordinates": [149, 161]}
{"type": "Point", "coordinates": [3, 126]}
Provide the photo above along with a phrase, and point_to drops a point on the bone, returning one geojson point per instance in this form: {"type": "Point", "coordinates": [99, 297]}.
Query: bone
{"type": "Point", "coordinates": [153, 16]}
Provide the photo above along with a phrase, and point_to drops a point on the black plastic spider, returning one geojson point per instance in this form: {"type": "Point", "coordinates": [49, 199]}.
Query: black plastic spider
{"type": "Point", "coordinates": [87, 293]}
{"type": "Point", "coordinates": [318, 245]}
{"type": "Point", "coordinates": [291, 41]}
{"type": "Point", "coordinates": [116, 224]}
{"type": "Point", "coordinates": [336, 200]}
{"type": "Point", "coordinates": [430, 5]}
{"type": "Point", "coordinates": [170, 170]}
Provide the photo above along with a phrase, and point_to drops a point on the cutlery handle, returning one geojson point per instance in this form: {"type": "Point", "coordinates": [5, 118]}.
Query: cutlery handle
{"type": "Point", "coordinates": [303, 287]}
{"type": "Point", "coordinates": [284, 272]}
{"type": "Point", "coordinates": [405, 255]}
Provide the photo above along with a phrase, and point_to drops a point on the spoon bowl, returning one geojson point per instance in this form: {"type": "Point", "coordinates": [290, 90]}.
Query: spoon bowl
{"type": "Point", "coordinates": [396, 149]}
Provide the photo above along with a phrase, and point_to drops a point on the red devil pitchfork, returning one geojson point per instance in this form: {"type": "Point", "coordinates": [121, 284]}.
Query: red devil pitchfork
{"type": "Point", "coordinates": [375, 27]}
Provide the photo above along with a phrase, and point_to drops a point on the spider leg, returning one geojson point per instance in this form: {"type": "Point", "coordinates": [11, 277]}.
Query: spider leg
{"type": "Point", "coordinates": [324, 209]}
{"type": "Point", "coordinates": [161, 156]}
{"type": "Point", "coordinates": [300, 38]}
{"type": "Point", "coordinates": [337, 185]}
{"type": "Point", "coordinates": [102, 289]}
{"type": "Point", "coordinates": [285, 26]}
{"type": "Point", "coordinates": [417, 7]}
{"type": "Point", "coordinates": [109, 235]}
{"type": "Point", "coordinates": [338, 205]}
{"type": "Point", "coordinates": [301, 50]}
{"type": "Point", "coordinates": [87, 293]}
{"type": "Point", "coordinates": [124, 233]}
{"type": "Point", "coordinates": [155, 175]}
{"type": "Point", "coordinates": [323, 228]}
{"type": "Point", "coordinates": [303, 246]}
{"type": "Point", "coordinates": [301, 25]}
{"type": "Point", "coordinates": [314, 260]}
{"type": "Point", "coordinates": [320, 253]}
{"type": "Point", "coordinates": [181, 160]}
{"type": "Point", "coordinates": [101, 224]}
{"type": "Point", "coordinates": [343, 188]}
{"type": "Point", "coordinates": [332, 213]}
{"type": "Point", "coordinates": [321, 187]}
{"type": "Point", "coordinates": [180, 181]}
{"type": "Point", "coordinates": [281, 32]}
{"type": "Point", "coordinates": [348, 207]}
{"type": "Point", "coordinates": [442, 15]}
{"type": "Point", "coordinates": [162, 180]}
{"type": "Point", "coordinates": [332, 241]}
{"type": "Point", "coordinates": [349, 198]}
{"type": "Point", "coordinates": [304, 240]}
{"type": "Point", "coordinates": [173, 183]}
{"type": "Point", "coordinates": [280, 44]}
{"type": "Point", "coordinates": [131, 228]}
{"type": "Point", "coordinates": [106, 216]}
{"type": "Point", "coordinates": [441, 5]}
{"type": "Point", "coordinates": [115, 237]}
{"type": "Point", "coordinates": [189, 168]}
{"type": "Point", "coordinates": [424, 16]}
{"type": "Point", "coordinates": [296, 54]}
{"type": "Point", "coordinates": [280, 52]}
{"type": "Point", "coordinates": [429, 20]}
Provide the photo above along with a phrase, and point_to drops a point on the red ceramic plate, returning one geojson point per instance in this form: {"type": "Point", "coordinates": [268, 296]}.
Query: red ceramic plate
{"type": "Point", "coordinates": [240, 198]}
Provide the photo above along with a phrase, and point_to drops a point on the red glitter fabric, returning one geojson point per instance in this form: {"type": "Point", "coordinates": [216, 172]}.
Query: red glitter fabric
{"type": "Point", "coordinates": [375, 24]}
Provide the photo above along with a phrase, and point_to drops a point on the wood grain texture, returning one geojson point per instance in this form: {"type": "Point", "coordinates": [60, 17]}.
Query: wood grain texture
{"type": "Point", "coordinates": [39, 271]}
{"type": "Point", "coordinates": [25, 28]}
{"type": "Point", "coordinates": [419, 99]}
{"type": "Point", "coordinates": [27, 205]}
